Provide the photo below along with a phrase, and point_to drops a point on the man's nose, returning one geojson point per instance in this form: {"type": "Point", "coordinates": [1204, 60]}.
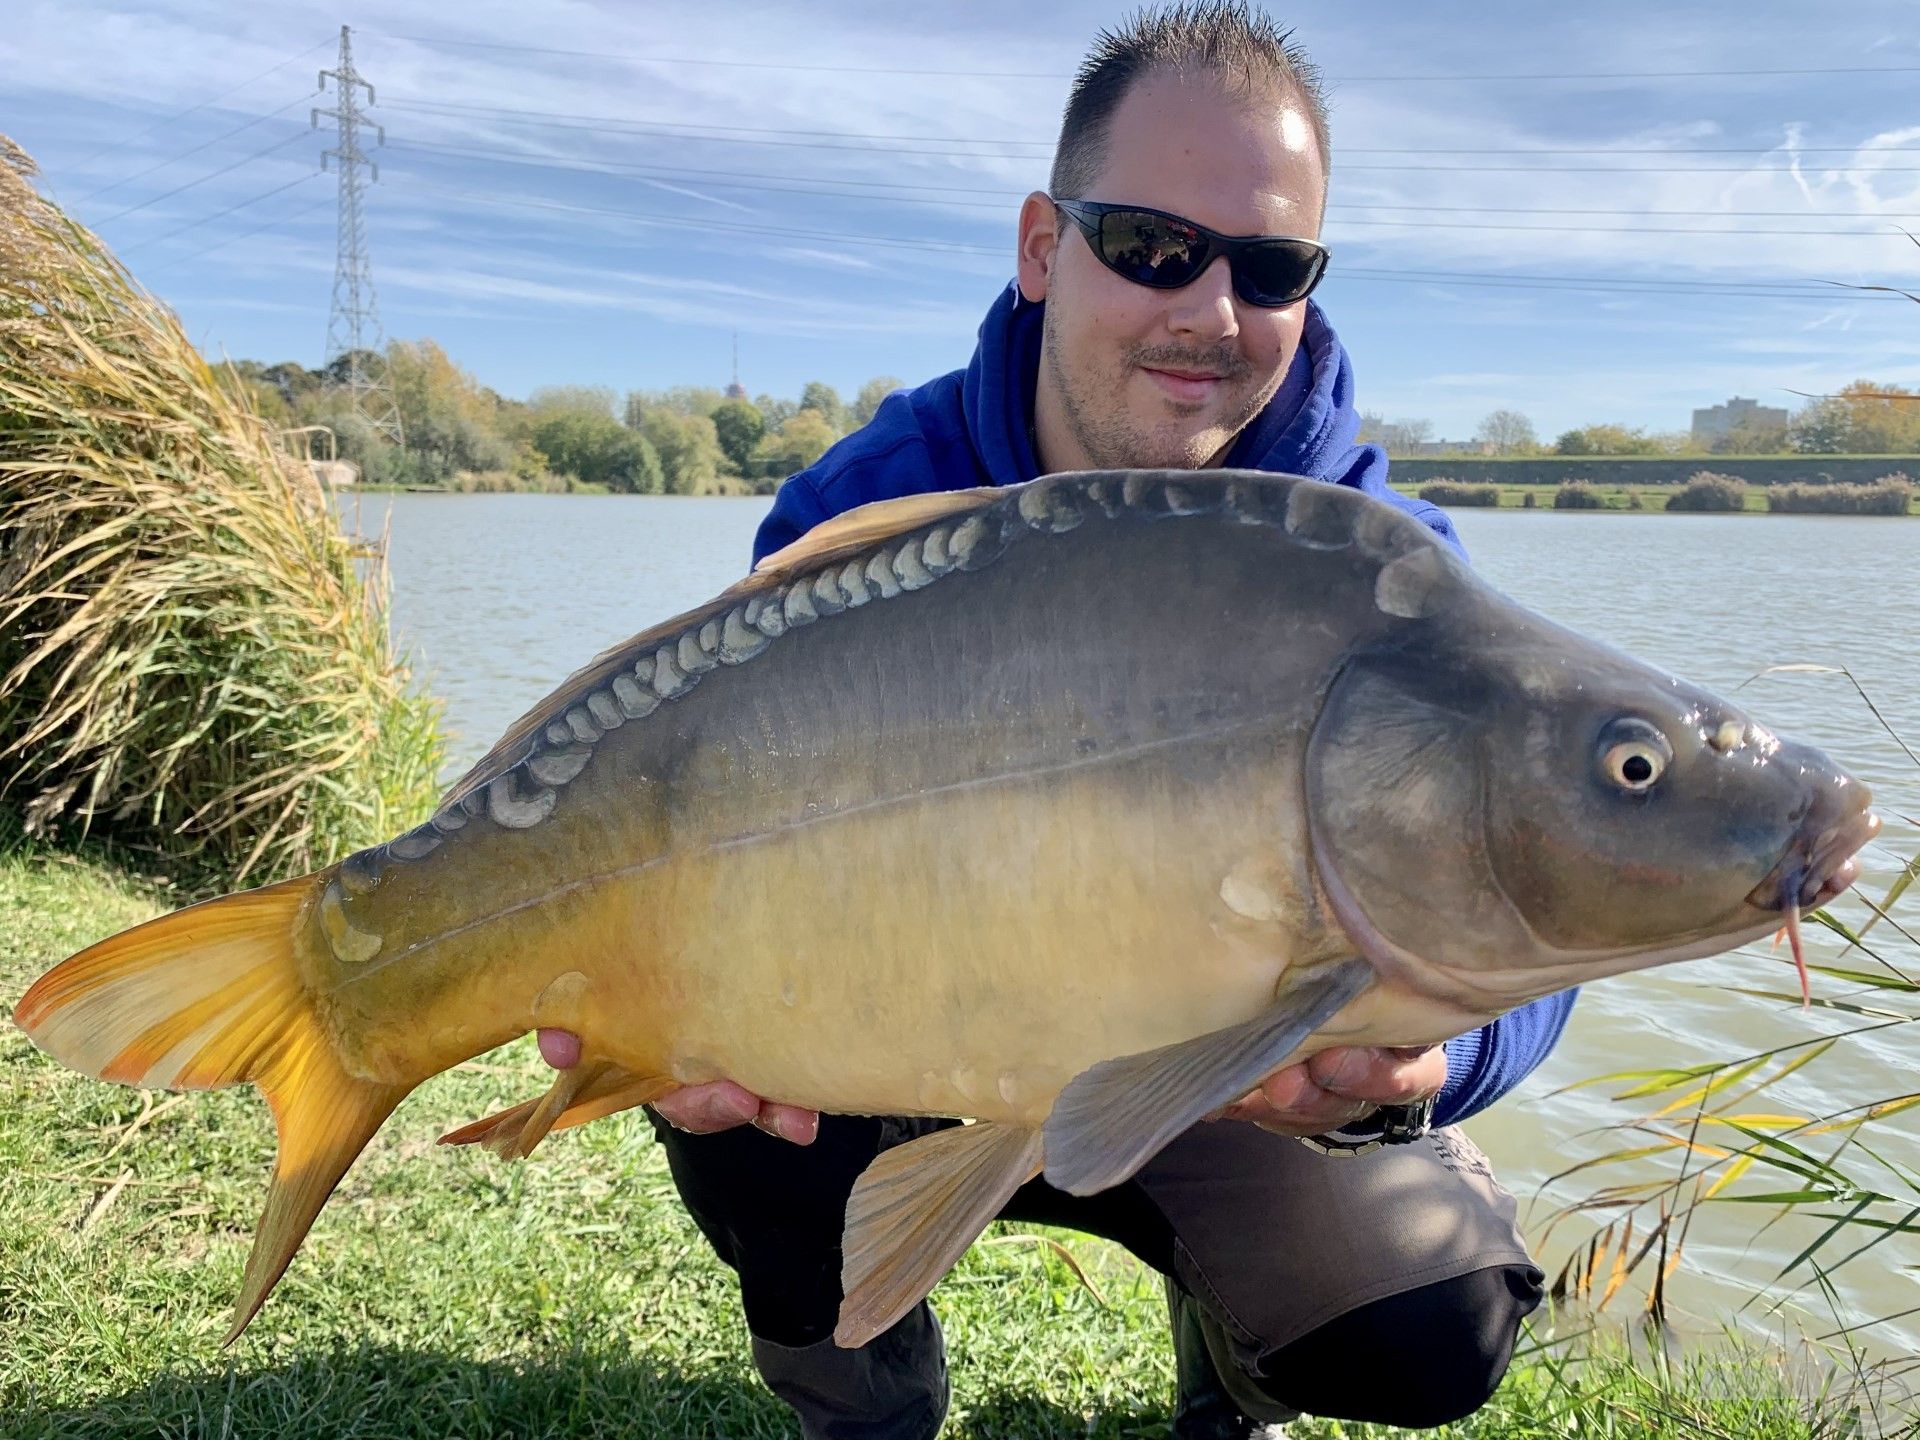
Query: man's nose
{"type": "Point", "coordinates": [1203, 310]}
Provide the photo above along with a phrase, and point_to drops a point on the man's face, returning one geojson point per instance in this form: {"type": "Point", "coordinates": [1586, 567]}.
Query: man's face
{"type": "Point", "coordinates": [1136, 377]}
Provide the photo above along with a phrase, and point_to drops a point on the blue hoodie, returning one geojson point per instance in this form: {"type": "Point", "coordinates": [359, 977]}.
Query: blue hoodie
{"type": "Point", "coordinates": [973, 427]}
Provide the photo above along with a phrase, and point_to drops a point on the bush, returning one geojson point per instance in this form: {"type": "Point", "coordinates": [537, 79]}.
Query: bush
{"type": "Point", "coordinates": [1529, 501]}
{"type": "Point", "coordinates": [192, 658]}
{"type": "Point", "coordinates": [1892, 495]}
{"type": "Point", "coordinates": [1449, 492]}
{"type": "Point", "coordinates": [1578, 495]}
{"type": "Point", "coordinates": [1708, 491]}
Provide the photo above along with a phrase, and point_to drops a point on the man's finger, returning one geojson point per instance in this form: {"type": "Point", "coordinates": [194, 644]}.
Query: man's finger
{"type": "Point", "coordinates": [788, 1122]}
{"type": "Point", "coordinates": [560, 1048]}
{"type": "Point", "coordinates": [1382, 1077]}
{"type": "Point", "coordinates": [703, 1109]}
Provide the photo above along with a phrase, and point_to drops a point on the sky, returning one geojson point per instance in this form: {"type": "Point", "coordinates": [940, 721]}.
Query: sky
{"type": "Point", "coordinates": [1584, 213]}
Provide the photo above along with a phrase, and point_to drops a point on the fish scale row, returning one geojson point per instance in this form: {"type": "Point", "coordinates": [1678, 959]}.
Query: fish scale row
{"type": "Point", "coordinates": [523, 795]}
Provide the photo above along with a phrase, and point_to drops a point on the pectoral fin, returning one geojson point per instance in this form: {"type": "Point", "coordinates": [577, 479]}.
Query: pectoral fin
{"type": "Point", "coordinates": [914, 1212]}
{"type": "Point", "coordinates": [1113, 1118]}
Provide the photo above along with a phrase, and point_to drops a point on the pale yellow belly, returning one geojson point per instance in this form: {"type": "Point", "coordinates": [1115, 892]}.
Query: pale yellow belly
{"type": "Point", "coordinates": [969, 954]}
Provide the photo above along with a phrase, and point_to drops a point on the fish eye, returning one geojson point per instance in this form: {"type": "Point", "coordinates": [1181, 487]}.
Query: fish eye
{"type": "Point", "coordinates": [1634, 755]}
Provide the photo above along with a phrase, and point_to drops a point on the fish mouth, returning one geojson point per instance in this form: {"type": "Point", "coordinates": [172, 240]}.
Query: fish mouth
{"type": "Point", "coordinates": [1812, 874]}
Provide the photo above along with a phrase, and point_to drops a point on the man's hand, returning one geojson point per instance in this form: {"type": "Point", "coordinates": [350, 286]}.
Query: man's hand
{"type": "Point", "coordinates": [1337, 1087]}
{"type": "Point", "coordinates": [703, 1109]}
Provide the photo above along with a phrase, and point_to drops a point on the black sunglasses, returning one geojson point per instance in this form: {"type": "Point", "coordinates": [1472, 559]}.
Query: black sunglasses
{"type": "Point", "coordinates": [1151, 247]}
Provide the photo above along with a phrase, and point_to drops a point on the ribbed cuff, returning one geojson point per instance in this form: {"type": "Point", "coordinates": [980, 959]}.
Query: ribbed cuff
{"type": "Point", "coordinates": [1464, 1055]}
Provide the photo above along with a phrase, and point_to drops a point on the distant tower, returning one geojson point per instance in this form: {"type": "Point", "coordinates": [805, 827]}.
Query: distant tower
{"type": "Point", "coordinates": [353, 328]}
{"type": "Point", "coordinates": [736, 391]}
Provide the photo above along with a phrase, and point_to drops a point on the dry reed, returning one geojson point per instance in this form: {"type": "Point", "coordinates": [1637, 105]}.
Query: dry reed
{"type": "Point", "coordinates": [190, 660]}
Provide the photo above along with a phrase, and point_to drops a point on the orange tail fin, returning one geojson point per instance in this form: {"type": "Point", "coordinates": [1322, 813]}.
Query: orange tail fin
{"type": "Point", "coordinates": [211, 996]}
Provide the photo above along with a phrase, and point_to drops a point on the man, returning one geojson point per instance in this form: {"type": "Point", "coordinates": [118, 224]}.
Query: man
{"type": "Point", "coordinates": [1386, 1285]}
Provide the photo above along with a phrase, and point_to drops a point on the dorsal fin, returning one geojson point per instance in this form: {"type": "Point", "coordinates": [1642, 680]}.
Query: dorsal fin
{"type": "Point", "coordinates": [839, 538]}
{"type": "Point", "coordinates": [867, 524]}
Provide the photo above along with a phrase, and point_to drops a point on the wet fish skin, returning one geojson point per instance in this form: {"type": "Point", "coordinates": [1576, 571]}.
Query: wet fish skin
{"type": "Point", "coordinates": [1010, 785]}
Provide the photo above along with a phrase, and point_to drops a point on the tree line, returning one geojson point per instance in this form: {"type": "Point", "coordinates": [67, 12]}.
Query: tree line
{"type": "Point", "coordinates": [1865, 418]}
{"type": "Point", "coordinates": [698, 440]}
{"type": "Point", "coordinates": [688, 440]}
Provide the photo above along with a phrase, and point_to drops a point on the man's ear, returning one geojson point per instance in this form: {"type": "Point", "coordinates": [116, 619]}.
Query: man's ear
{"type": "Point", "coordinates": [1039, 241]}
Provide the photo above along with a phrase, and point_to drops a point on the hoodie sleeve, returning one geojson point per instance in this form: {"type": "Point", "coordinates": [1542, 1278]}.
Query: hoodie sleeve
{"type": "Point", "coordinates": [797, 508]}
{"type": "Point", "coordinates": [1485, 1064]}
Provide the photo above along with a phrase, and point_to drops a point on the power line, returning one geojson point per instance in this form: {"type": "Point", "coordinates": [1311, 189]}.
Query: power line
{"type": "Point", "coordinates": [191, 109]}
{"type": "Point", "coordinates": [1782, 289]}
{"type": "Point", "coordinates": [204, 144]}
{"type": "Point", "coordinates": [284, 220]}
{"type": "Point", "coordinates": [764, 137]}
{"type": "Point", "coordinates": [636, 173]}
{"type": "Point", "coordinates": [1338, 79]}
{"type": "Point", "coordinates": [220, 214]}
{"type": "Point", "coordinates": [619, 120]}
{"type": "Point", "coordinates": [210, 175]}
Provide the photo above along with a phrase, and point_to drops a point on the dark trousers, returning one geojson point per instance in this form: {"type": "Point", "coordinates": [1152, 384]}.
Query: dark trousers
{"type": "Point", "coordinates": [1387, 1287]}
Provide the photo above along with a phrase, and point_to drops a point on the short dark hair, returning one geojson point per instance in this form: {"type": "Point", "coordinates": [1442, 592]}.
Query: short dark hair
{"type": "Point", "coordinates": [1240, 45]}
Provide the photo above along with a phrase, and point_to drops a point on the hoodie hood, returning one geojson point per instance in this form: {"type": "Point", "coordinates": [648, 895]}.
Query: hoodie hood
{"type": "Point", "coordinates": [975, 427]}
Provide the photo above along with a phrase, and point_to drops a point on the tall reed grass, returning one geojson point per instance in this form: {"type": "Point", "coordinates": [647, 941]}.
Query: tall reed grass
{"type": "Point", "coordinates": [192, 660]}
{"type": "Point", "coordinates": [1708, 491]}
{"type": "Point", "coordinates": [1891, 495]}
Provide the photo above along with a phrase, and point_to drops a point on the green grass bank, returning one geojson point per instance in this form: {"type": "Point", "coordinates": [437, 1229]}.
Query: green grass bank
{"type": "Point", "coordinates": [445, 1293]}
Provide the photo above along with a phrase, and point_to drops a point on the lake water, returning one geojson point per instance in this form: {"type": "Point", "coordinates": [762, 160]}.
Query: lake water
{"type": "Point", "coordinates": [499, 597]}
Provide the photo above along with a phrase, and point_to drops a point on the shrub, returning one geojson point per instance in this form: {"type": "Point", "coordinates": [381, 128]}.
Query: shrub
{"type": "Point", "coordinates": [1891, 495]}
{"type": "Point", "coordinates": [1634, 502]}
{"type": "Point", "coordinates": [1451, 492]}
{"type": "Point", "coordinates": [1529, 501]}
{"type": "Point", "coordinates": [192, 659]}
{"type": "Point", "coordinates": [1708, 491]}
{"type": "Point", "coordinates": [1578, 495]}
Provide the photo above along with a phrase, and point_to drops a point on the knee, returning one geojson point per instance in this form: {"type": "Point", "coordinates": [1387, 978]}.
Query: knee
{"type": "Point", "coordinates": [1419, 1359]}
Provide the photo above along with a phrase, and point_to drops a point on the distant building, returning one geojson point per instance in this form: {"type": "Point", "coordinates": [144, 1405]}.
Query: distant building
{"type": "Point", "coordinates": [1737, 414]}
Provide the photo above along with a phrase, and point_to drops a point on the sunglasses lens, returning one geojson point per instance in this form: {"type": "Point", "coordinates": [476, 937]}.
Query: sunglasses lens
{"type": "Point", "coordinates": [1151, 249]}
{"type": "Point", "coordinates": [1278, 272]}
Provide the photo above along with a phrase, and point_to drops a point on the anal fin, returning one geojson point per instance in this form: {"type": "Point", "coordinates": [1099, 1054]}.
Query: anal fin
{"type": "Point", "coordinates": [915, 1210]}
{"type": "Point", "coordinates": [587, 1092]}
{"type": "Point", "coordinates": [1115, 1116]}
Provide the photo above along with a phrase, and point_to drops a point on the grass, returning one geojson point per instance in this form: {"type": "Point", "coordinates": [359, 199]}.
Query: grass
{"type": "Point", "coordinates": [446, 1293]}
{"type": "Point", "coordinates": [193, 657]}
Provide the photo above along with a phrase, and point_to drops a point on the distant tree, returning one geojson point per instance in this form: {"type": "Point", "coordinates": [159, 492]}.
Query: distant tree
{"type": "Point", "coordinates": [818, 396]}
{"type": "Point", "coordinates": [1508, 432]}
{"type": "Point", "coordinates": [1606, 440]}
{"type": "Point", "coordinates": [1750, 438]}
{"type": "Point", "coordinates": [1822, 427]}
{"type": "Point", "coordinates": [738, 426]}
{"type": "Point", "coordinates": [688, 447]}
{"type": "Point", "coordinates": [598, 449]}
{"type": "Point", "coordinates": [870, 396]}
{"type": "Point", "coordinates": [1881, 419]}
{"type": "Point", "coordinates": [776, 410]}
{"type": "Point", "coordinates": [798, 442]}
{"type": "Point", "coordinates": [449, 421]}
{"type": "Point", "coordinates": [338, 370]}
{"type": "Point", "coordinates": [588, 399]}
{"type": "Point", "coordinates": [678, 400]}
